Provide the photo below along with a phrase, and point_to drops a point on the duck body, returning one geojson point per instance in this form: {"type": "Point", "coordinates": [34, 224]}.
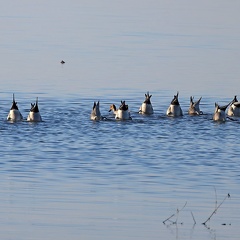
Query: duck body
{"type": "Point", "coordinates": [96, 114]}
{"type": "Point", "coordinates": [174, 110]}
{"type": "Point", "coordinates": [146, 107]}
{"type": "Point", "coordinates": [14, 113]}
{"type": "Point", "coordinates": [34, 117]}
{"type": "Point", "coordinates": [234, 108]}
{"type": "Point", "coordinates": [122, 113]}
{"type": "Point", "coordinates": [219, 113]}
{"type": "Point", "coordinates": [194, 108]}
{"type": "Point", "coordinates": [34, 114]}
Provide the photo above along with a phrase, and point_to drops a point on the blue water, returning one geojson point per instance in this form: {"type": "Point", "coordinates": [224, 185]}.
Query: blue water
{"type": "Point", "coordinates": [71, 178]}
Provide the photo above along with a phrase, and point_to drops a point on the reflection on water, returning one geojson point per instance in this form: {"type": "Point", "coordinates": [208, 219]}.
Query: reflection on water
{"type": "Point", "coordinates": [70, 177]}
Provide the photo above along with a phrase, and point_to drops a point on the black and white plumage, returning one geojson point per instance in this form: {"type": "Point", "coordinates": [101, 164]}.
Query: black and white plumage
{"type": "Point", "coordinates": [122, 113]}
{"type": "Point", "coordinates": [174, 110]}
{"type": "Point", "coordinates": [14, 113]}
{"type": "Point", "coordinates": [234, 108]}
{"type": "Point", "coordinates": [34, 114]}
{"type": "Point", "coordinates": [146, 107]}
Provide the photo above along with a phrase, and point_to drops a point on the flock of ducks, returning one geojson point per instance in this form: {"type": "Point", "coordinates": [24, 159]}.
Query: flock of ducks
{"type": "Point", "coordinates": [123, 113]}
{"type": "Point", "coordinates": [15, 115]}
{"type": "Point", "coordinates": [174, 110]}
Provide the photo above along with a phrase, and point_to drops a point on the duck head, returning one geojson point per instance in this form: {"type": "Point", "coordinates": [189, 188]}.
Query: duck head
{"type": "Point", "coordinates": [113, 108]}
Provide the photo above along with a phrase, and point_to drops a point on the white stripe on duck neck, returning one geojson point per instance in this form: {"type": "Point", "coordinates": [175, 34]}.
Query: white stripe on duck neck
{"type": "Point", "coordinates": [146, 107]}
{"type": "Point", "coordinates": [14, 113]}
{"type": "Point", "coordinates": [234, 109]}
{"type": "Point", "coordinates": [174, 110]}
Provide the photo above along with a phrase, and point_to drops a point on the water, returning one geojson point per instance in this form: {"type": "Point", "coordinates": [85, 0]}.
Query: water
{"type": "Point", "coordinates": [71, 178]}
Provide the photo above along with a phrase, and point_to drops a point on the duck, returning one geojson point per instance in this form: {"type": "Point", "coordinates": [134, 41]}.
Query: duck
{"type": "Point", "coordinates": [194, 108]}
{"type": "Point", "coordinates": [14, 113]}
{"type": "Point", "coordinates": [34, 114]}
{"type": "Point", "coordinates": [174, 109]}
{"type": "Point", "coordinates": [122, 113]}
{"type": "Point", "coordinates": [234, 108]}
{"type": "Point", "coordinates": [95, 114]}
{"type": "Point", "coordinates": [219, 113]}
{"type": "Point", "coordinates": [146, 107]}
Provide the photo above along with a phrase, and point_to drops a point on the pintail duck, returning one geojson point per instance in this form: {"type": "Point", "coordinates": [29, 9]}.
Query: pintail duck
{"type": "Point", "coordinates": [174, 109]}
{"type": "Point", "coordinates": [122, 113]}
{"type": "Point", "coordinates": [219, 113]}
{"type": "Point", "coordinates": [95, 114]}
{"type": "Point", "coordinates": [14, 113]}
{"type": "Point", "coordinates": [146, 107]}
{"type": "Point", "coordinates": [34, 114]}
{"type": "Point", "coordinates": [234, 109]}
{"type": "Point", "coordinates": [194, 108]}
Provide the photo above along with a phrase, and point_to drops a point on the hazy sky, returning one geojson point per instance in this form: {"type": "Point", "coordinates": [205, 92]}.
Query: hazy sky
{"type": "Point", "coordinates": [190, 46]}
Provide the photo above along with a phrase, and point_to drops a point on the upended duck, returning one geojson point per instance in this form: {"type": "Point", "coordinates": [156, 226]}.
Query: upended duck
{"type": "Point", "coordinates": [219, 113]}
{"type": "Point", "coordinates": [194, 108]}
{"type": "Point", "coordinates": [14, 113]}
{"type": "Point", "coordinates": [174, 109]}
{"type": "Point", "coordinates": [234, 108]}
{"type": "Point", "coordinates": [122, 113]}
{"type": "Point", "coordinates": [34, 114]}
{"type": "Point", "coordinates": [146, 107]}
{"type": "Point", "coordinates": [96, 114]}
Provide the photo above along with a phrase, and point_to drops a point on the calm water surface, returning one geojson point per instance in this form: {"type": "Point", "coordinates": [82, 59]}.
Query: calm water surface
{"type": "Point", "coordinates": [69, 177]}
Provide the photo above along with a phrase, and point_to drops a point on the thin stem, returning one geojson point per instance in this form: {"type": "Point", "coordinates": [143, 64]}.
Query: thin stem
{"type": "Point", "coordinates": [175, 214]}
{"type": "Point", "coordinates": [216, 208]}
{"type": "Point", "coordinates": [193, 218]}
{"type": "Point", "coordinates": [215, 197]}
{"type": "Point", "coordinates": [168, 218]}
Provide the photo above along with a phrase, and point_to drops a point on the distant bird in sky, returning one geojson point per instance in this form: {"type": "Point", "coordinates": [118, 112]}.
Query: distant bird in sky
{"type": "Point", "coordinates": [62, 62]}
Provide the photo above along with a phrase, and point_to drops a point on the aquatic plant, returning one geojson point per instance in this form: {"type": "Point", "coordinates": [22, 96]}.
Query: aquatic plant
{"type": "Point", "coordinates": [217, 206]}
{"type": "Point", "coordinates": [175, 214]}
